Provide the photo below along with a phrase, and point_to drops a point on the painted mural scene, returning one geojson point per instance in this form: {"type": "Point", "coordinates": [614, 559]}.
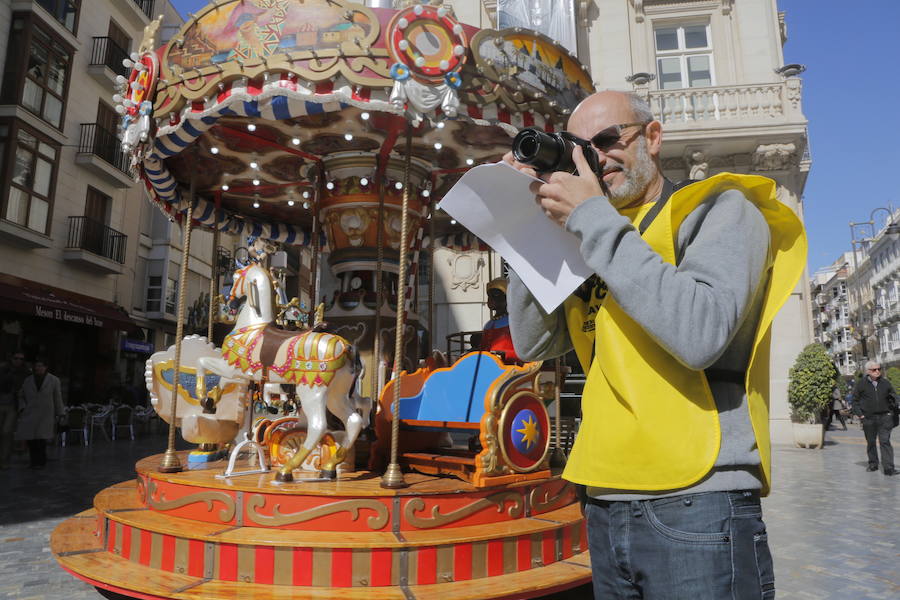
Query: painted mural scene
{"type": "Point", "coordinates": [394, 299]}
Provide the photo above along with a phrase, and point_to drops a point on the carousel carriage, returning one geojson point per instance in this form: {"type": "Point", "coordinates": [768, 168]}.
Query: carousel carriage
{"type": "Point", "coordinates": [311, 122]}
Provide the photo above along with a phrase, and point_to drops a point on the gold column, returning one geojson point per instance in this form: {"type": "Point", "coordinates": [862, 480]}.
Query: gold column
{"type": "Point", "coordinates": [393, 477]}
{"type": "Point", "coordinates": [213, 278]}
{"type": "Point", "coordinates": [170, 462]}
{"type": "Point", "coordinates": [379, 286]}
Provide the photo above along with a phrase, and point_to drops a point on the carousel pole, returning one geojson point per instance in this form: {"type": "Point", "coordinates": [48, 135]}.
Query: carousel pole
{"type": "Point", "coordinates": [557, 457]}
{"type": "Point", "coordinates": [431, 247]}
{"type": "Point", "coordinates": [316, 233]}
{"type": "Point", "coordinates": [170, 462]}
{"type": "Point", "coordinates": [214, 271]}
{"type": "Point", "coordinates": [379, 286]}
{"type": "Point", "coordinates": [393, 477]}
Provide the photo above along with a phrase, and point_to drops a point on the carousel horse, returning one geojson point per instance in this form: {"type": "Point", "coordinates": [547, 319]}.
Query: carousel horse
{"type": "Point", "coordinates": [323, 367]}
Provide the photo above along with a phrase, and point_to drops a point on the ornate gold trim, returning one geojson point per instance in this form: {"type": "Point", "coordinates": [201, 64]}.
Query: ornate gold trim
{"type": "Point", "coordinates": [539, 498]}
{"type": "Point", "coordinates": [377, 521]}
{"type": "Point", "coordinates": [226, 514]}
{"type": "Point", "coordinates": [437, 519]}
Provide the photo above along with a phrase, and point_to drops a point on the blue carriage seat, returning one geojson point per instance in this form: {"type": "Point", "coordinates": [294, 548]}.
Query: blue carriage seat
{"type": "Point", "coordinates": [455, 394]}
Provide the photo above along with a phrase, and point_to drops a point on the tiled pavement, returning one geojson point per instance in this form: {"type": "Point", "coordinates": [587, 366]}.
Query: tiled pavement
{"type": "Point", "coordinates": [834, 528]}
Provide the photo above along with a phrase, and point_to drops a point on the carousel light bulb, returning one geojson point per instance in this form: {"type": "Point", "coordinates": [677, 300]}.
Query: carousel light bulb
{"type": "Point", "coordinates": [256, 204]}
{"type": "Point", "coordinates": [348, 136]}
{"type": "Point", "coordinates": [225, 187]}
{"type": "Point", "coordinates": [442, 12]}
{"type": "Point", "coordinates": [251, 127]}
{"type": "Point", "coordinates": [117, 98]}
{"type": "Point", "coordinates": [364, 182]}
{"type": "Point", "coordinates": [295, 141]}
{"type": "Point", "coordinates": [214, 150]}
{"type": "Point", "coordinates": [425, 193]}
{"type": "Point", "coordinates": [306, 205]}
{"type": "Point", "coordinates": [399, 185]}
{"type": "Point", "coordinates": [254, 164]}
{"type": "Point", "coordinates": [134, 56]}
{"type": "Point", "coordinates": [418, 9]}
{"type": "Point", "coordinates": [458, 29]}
{"type": "Point", "coordinates": [305, 194]}
{"type": "Point", "coordinates": [329, 185]}
{"type": "Point", "coordinates": [459, 50]}
{"type": "Point", "coordinates": [444, 65]}
{"type": "Point", "coordinates": [127, 63]}
{"type": "Point", "coordinates": [364, 116]}
{"type": "Point", "coordinates": [453, 221]}
{"type": "Point", "coordinates": [438, 145]}
{"type": "Point", "coordinates": [440, 125]}
{"type": "Point", "coordinates": [120, 80]}
{"type": "Point", "coordinates": [403, 45]}
{"type": "Point", "coordinates": [420, 61]}
{"type": "Point", "coordinates": [290, 202]}
{"type": "Point", "coordinates": [470, 162]}
{"type": "Point", "coordinates": [256, 182]}
{"type": "Point", "coordinates": [120, 109]}
{"type": "Point", "coordinates": [402, 23]}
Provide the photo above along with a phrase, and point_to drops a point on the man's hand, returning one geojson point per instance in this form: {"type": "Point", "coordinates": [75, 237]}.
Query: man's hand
{"type": "Point", "coordinates": [562, 192]}
{"type": "Point", "coordinates": [511, 161]}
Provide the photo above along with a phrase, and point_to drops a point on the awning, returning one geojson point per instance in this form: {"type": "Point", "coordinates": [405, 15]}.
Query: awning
{"type": "Point", "coordinates": [47, 302]}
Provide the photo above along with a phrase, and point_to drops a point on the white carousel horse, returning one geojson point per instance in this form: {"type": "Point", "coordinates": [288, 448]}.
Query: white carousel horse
{"type": "Point", "coordinates": [323, 367]}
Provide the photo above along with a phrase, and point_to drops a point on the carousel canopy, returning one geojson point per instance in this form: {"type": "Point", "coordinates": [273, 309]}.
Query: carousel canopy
{"type": "Point", "coordinates": [268, 107]}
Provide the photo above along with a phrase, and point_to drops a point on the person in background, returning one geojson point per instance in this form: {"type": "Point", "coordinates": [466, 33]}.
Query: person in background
{"type": "Point", "coordinates": [12, 376]}
{"type": "Point", "coordinates": [40, 404]}
{"type": "Point", "coordinates": [837, 405]}
{"type": "Point", "coordinates": [495, 337]}
{"type": "Point", "coordinates": [873, 399]}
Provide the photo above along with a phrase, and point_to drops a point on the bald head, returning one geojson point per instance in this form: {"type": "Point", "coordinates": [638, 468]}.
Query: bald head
{"type": "Point", "coordinates": [632, 174]}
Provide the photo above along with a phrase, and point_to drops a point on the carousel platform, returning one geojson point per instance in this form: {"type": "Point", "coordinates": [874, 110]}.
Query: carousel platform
{"type": "Point", "coordinates": [190, 535]}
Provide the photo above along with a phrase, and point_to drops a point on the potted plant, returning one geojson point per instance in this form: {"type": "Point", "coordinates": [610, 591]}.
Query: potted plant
{"type": "Point", "coordinates": [810, 384]}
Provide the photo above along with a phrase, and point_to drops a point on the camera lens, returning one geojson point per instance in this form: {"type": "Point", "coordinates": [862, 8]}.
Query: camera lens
{"type": "Point", "coordinates": [542, 151]}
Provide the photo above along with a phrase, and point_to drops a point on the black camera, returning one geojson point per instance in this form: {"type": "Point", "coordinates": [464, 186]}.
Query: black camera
{"type": "Point", "coordinates": [549, 152]}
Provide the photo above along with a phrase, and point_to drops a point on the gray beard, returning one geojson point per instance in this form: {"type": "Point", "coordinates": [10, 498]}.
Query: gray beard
{"type": "Point", "coordinates": [637, 178]}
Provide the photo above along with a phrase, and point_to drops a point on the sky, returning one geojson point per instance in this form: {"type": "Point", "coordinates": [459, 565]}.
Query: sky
{"type": "Point", "coordinates": [850, 96]}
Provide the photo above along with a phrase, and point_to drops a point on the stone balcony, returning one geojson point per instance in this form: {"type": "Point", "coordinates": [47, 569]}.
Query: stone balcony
{"type": "Point", "coordinates": [742, 128]}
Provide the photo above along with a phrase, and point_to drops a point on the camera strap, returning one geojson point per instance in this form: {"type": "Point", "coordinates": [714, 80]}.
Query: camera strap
{"type": "Point", "coordinates": [669, 188]}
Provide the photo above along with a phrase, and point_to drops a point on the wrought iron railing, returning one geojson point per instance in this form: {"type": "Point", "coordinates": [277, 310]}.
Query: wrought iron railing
{"type": "Point", "coordinates": [106, 52]}
{"type": "Point", "coordinates": [146, 6]}
{"type": "Point", "coordinates": [89, 234]}
{"type": "Point", "coordinates": [103, 143]}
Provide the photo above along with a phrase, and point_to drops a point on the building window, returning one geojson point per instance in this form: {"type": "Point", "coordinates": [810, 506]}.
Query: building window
{"type": "Point", "coordinates": [154, 293]}
{"type": "Point", "coordinates": [32, 177]}
{"type": "Point", "coordinates": [37, 76]}
{"type": "Point", "coordinates": [64, 11]}
{"type": "Point", "coordinates": [171, 296]}
{"type": "Point", "coordinates": [684, 56]}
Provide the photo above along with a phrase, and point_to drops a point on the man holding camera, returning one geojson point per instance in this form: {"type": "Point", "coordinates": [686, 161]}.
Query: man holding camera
{"type": "Point", "coordinates": [673, 332]}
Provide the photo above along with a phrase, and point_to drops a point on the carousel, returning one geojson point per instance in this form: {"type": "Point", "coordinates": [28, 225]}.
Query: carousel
{"type": "Point", "coordinates": [328, 460]}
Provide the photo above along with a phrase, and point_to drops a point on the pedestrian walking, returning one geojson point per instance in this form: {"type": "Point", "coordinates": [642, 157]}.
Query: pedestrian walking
{"type": "Point", "coordinates": [40, 401]}
{"type": "Point", "coordinates": [12, 376]}
{"type": "Point", "coordinates": [873, 401]}
{"type": "Point", "coordinates": [838, 406]}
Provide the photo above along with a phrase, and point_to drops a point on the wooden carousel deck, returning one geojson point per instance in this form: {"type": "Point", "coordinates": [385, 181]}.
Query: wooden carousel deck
{"type": "Point", "coordinates": [190, 535]}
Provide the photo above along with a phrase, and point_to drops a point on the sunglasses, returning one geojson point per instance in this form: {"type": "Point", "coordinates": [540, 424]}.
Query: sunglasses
{"type": "Point", "coordinates": [876, 369]}
{"type": "Point", "coordinates": [609, 137]}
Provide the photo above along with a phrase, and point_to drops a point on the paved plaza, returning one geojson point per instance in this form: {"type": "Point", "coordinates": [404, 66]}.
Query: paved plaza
{"type": "Point", "coordinates": [834, 528]}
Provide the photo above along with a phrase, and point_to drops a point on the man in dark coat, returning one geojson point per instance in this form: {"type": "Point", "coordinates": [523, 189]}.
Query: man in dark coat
{"type": "Point", "coordinates": [873, 399]}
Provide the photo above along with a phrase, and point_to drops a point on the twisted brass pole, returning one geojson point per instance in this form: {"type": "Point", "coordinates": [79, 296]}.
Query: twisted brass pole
{"type": "Point", "coordinates": [314, 267]}
{"type": "Point", "coordinates": [431, 276]}
{"type": "Point", "coordinates": [170, 462]}
{"type": "Point", "coordinates": [213, 279]}
{"type": "Point", "coordinates": [393, 477]}
{"type": "Point", "coordinates": [379, 285]}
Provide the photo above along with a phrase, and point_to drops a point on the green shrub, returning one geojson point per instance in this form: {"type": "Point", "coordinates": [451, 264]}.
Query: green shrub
{"type": "Point", "coordinates": [893, 375]}
{"type": "Point", "coordinates": [810, 383]}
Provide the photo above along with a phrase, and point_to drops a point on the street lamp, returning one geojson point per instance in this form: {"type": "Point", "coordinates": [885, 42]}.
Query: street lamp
{"type": "Point", "coordinates": [864, 327]}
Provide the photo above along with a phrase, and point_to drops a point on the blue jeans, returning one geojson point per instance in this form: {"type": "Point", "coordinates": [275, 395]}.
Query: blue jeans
{"type": "Point", "coordinates": [710, 546]}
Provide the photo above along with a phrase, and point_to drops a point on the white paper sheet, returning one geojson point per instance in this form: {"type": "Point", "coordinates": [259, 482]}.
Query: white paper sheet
{"type": "Point", "coordinates": [494, 202]}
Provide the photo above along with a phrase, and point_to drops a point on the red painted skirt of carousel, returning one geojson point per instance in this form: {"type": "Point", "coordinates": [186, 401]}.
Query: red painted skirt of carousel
{"type": "Point", "coordinates": [190, 535]}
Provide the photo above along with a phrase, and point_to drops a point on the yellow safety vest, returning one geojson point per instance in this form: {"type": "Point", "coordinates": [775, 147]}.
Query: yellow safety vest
{"type": "Point", "coordinates": [648, 422]}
